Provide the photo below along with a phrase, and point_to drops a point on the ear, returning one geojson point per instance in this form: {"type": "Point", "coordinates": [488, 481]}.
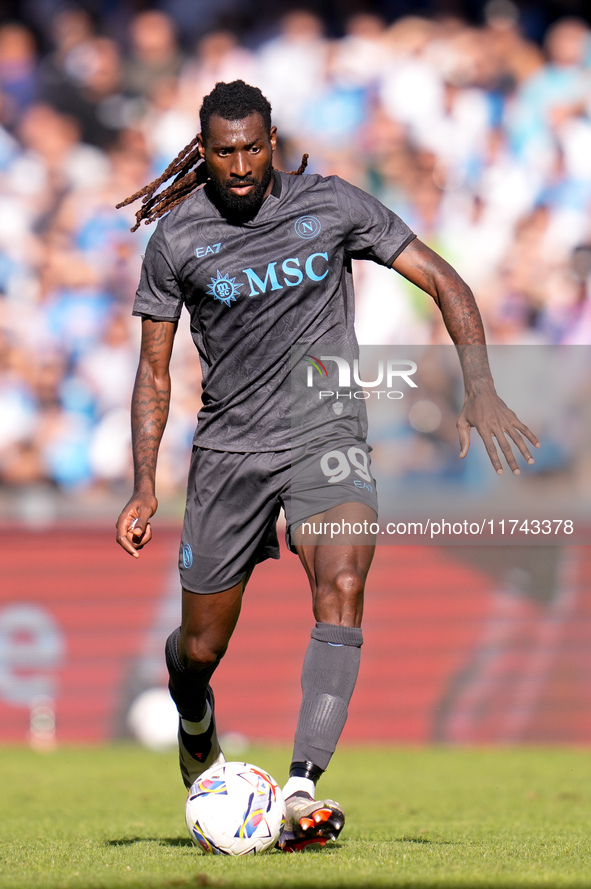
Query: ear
{"type": "Point", "coordinates": [201, 146]}
{"type": "Point", "coordinates": [273, 138]}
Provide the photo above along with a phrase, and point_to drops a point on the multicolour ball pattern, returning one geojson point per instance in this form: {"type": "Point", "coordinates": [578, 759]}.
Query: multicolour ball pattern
{"type": "Point", "coordinates": [235, 809]}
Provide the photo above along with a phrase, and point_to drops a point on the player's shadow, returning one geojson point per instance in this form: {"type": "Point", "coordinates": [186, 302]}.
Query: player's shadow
{"type": "Point", "coordinates": [422, 839]}
{"type": "Point", "coordinates": [162, 841]}
{"type": "Point", "coordinates": [182, 841]}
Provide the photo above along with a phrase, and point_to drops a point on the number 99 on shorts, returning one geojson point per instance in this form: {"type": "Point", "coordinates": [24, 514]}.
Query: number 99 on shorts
{"type": "Point", "coordinates": [337, 466]}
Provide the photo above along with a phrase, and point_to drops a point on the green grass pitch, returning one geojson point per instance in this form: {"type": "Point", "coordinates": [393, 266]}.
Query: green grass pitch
{"type": "Point", "coordinates": [114, 817]}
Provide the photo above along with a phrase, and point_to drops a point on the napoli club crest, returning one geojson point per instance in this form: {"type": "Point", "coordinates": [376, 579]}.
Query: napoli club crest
{"type": "Point", "coordinates": [307, 227]}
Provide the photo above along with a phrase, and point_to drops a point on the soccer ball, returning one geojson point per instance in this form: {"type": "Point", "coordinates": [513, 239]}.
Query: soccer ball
{"type": "Point", "coordinates": [235, 809]}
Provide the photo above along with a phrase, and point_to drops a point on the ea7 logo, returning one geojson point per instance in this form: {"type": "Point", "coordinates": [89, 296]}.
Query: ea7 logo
{"type": "Point", "coordinates": [208, 251]}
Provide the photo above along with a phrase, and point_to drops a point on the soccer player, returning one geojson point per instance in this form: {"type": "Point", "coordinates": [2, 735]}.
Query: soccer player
{"type": "Point", "coordinates": [262, 261]}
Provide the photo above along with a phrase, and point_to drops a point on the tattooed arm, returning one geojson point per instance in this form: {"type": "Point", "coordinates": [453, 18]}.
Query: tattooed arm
{"type": "Point", "coordinates": [149, 413]}
{"type": "Point", "coordinates": [482, 408]}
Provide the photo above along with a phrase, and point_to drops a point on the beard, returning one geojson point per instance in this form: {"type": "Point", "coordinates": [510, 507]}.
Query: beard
{"type": "Point", "coordinates": [238, 208]}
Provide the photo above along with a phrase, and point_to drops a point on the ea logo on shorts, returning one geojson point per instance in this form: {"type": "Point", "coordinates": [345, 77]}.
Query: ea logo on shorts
{"type": "Point", "coordinates": [187, 555]}
{"type": "Point", "coordinates": [307, 227]}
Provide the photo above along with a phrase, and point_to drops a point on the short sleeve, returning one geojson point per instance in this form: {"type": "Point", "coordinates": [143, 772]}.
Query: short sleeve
{"type": "Point", "coordinates": [158, 295]}
{"type": "Point", "coordinates": [372, 230]}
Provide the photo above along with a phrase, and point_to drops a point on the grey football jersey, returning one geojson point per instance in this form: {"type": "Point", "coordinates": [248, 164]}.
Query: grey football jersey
{"type": "Point", "coordinates": [255, 290]}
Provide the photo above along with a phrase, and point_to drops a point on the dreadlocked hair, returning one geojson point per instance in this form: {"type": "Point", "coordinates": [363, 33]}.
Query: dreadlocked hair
{"type": "Point", "coordinates": [185, 181]}
{"type": "Point", "coordinates": [230, 101]}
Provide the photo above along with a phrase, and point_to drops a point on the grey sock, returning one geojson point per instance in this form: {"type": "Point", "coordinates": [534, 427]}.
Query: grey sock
{"type": "Point", "coordinates": [187, 687]}
{"type": "Point", "coordinates": [328, 679]}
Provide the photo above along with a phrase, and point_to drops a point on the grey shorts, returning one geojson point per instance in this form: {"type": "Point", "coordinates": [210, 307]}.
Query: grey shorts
{"type": "Point", "coordinates": [234, 501]}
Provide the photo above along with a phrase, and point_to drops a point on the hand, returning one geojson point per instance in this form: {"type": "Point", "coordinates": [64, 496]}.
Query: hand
{"type": "Point", "coordinates": [134, 530]}
{"type": "Point", "coordinates": [494, 420]}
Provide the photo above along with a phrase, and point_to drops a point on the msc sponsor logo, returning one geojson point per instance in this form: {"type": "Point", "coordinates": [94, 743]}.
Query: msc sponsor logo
{"type": "Point", "coordinates": [277, 275]}
{"type": "Point", "coordinates": [307, 227]}
{"type": "Point", "coordinates": [290, 273]}
{"type": "Point", "coordinates": [224, 288]}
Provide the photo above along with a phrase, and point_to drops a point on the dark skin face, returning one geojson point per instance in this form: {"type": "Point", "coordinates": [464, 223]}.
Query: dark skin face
{"type": "Point", "coordinates": [239, 159]}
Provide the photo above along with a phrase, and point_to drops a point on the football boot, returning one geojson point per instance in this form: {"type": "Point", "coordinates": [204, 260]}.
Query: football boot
{"type": "Point", "coordinates": [197, 753]}
{"type": "Point", "coordinates": [309, 822]}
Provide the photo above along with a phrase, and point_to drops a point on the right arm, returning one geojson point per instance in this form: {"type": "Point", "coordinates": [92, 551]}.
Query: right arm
{"type": "Point", "coordinates": [483, 409]}
{"type": "Point", "coordinates": [149, 413]}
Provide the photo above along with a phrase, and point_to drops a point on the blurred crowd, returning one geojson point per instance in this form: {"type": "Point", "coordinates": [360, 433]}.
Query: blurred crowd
{"type": "Point", "coordinates": [478, 137]}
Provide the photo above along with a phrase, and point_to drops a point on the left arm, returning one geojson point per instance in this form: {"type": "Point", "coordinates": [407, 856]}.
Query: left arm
{"type": "Point", "coordinates": [482, 408]}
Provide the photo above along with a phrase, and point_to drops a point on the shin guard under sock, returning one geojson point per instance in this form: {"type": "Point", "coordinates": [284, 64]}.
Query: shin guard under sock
{"type": "Point", "coordinates": [329, 674]}
{"type": "Point", "coordinates": [187, 686]}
